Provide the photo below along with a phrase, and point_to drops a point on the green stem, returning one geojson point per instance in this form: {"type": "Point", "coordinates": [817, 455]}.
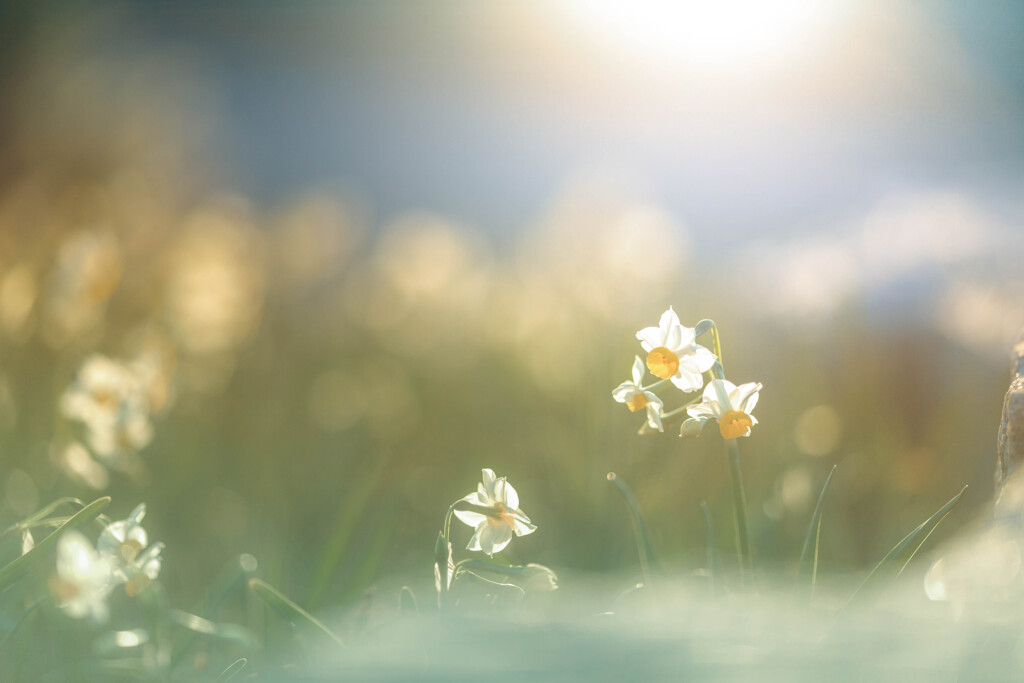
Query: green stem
{"type": "Point", "coordinates": [643, 542]}
{"type": "Point", "coordinates": [676, 411]}
{"type": "Point", "coordinates": [657, 385]}
{"type": "Point", "coordinates": [740, 504]}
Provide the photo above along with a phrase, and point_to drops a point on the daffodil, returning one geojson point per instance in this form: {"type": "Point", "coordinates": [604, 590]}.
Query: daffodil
{"type": "Point", "coordinates": [494, 531]}
{"type": "Point", "coordinates": [84, 578]}
{"type": "Point", "coordinates": [673, 354]}
{"type": "Point", "coordinates": [728, 404]}
{"type": "Point", "coordinates": [134, 562]}
{"type": "Point", "coordinates": [636, 398]}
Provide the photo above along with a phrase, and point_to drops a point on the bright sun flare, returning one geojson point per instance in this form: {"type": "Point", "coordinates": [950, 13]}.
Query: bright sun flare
{"type": "Point", "coordinates": [705, 33]}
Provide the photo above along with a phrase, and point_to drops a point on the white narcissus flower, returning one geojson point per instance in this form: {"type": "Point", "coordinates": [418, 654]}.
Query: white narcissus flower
{"type": "Point", "coordinates": [84, 578]}
{"type": "Point", "coordinates": [635, 398]}
{"type": "Point", "coordinates": [125, 543]}
{"type": "Point", "coordinates": [729, 405]}
{"type": "Point", "coordinates": [673, 354]}
{"type": "Point", "coordinates": [493, 533]}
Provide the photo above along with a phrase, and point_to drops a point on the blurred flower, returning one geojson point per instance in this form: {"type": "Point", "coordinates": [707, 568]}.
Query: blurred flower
{"type": "Point", "coordinates": [635, 398]}
{"type": "Point", "coordinates": [125, 543]}
{"type": "Point", "coordinates": [83, 580]}
{"type": "Point", "coordinates": [727, 403]}
{"type": "Point", "coordinates": [493, 533]}
{"type": "Point", "coordinates": [88, 270]}
{"type": "Point", "coordinates": [215, 281]}
{"type": "Point", "coordinates": [77, 462]}
{"type": "Point", "coordinates": [673, 354]}
{"type": "Point", "coordinates": [109, 398]}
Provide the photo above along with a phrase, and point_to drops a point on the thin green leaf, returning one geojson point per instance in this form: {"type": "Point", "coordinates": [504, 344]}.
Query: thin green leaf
{"type": "Point", "coordinates": [407, 601]}
{"type": "Point", "coordinates": [709, 540]}
{"type": "Point", "coordinates": [33, 520]}
{"type": "Point", "coordinates": [21, 618]}
{"type": "Point", "coordinates": [288, 610]}
{"type": "Point", "coordinates": [643, 539]}
{"type": "Point", "coordinates": [13, 571]}
{"type": "Point", "coordinates": [912, 541]}
{"type": "Point", "coordinates": [233, 633]}
{"type": "Point", "coordinates": [349, 515]}
{"type": "Point", "coordinates": [807, 555]}
{"type": "Point", "coordinates": [233, 670]}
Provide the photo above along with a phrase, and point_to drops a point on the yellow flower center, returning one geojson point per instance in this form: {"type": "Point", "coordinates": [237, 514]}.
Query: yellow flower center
{"type": "Point", "coordinates": [735, 424]}
{"type": "Point", "coordinates": [637, 402]}
{"type": "Point", "coordinates": [662, 362]}
{"type": "Point", "coordinates": [504, 516]}
{"type": "Point", "coordinates": [129, 550]}
{"type": "Point", "coordinates": [136, 585]}
{"type": "Point", "coordinates": [63, 590]}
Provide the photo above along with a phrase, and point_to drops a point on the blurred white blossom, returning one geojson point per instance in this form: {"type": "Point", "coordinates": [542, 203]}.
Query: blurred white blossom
{"type": "Point", "coordinates": [134, 562]}
{"type": "Point", "coordinates": [83, 579]}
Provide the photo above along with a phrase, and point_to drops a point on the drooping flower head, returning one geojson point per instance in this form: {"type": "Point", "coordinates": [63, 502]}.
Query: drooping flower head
{"type": "Point", "coordinates": [636, 399]}
{"type": "Point", "coordinates": [729, 405]}
{"type": "Point", "coordinates": [673, 354]}
{"type": "Point", "coordinates": [133, 561]}
{"type": "Point", "coordinates": [493, 533]}
{"type": "Point", "coordinates": [83, 579]}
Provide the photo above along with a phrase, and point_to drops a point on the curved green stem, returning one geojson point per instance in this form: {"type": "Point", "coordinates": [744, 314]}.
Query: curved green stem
{"type": "Point", "coordinates": [643, 541]}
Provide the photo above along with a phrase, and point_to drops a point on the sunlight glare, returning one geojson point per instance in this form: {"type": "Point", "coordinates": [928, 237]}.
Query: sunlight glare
{"type": "Point", "coordinates": [722, 33]}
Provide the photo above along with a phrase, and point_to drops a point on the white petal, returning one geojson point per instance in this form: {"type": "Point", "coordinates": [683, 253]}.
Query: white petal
{"type": "Point", "coordinates": [722, 389]}
{"type": "Point", "coordinates": [471, 518]}
{"type": "Point", "coordinates": [701, 410]}
{"type": "Point", "coordinates": [747, 396]}
{"type": "Point", "coordinates": [687, 380]}
{"type": "Point", "coordinates": [651, 338]}
{"type": "Point", "coordinates": [474, 543]}
{"type": "Point", "coordinates": [669, 319]}
{"type": "Point", "coordinates": [701, 358]}
{"type": "Point", "coordinates": [523, 525]}
{"type": "Point", "coordinates": [638, 370]}
{"type": "Point", "coordinates": [488, 478]}
{"type": "Point", "coordinates": [137, 514]}
{"type": "Point", "coordinates": [624, 392]}
{"type": "Point", "coordinates": [507, 495]}
{"type": "Point", "coordinates": [494, 537]}
{"type": "Point", "coordinates": [654, 417]}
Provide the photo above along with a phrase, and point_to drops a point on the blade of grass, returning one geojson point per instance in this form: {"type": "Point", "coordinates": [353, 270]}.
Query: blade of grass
{"type": "Point", "coordinates": [233, 633]}
{"type": "Point", "coordinates": [285, 608]}
{"type": "Point", "coordinates": [922, 532]}
{"type": "Point", "coordinates": [709, 541]}
{"type": "Point", "coordinates": [13, 571]}
{"type": "Point", "coordinates": [233, 670]}
{"type": "Point", "coordinates": [807, 556]}
{"type": "Point", "coordinates": [31, 608]}
{"type": "Point", "coordinates": [643, 539]}
{"type": "Point", "coordinates": [344, 526]}
{"type": "Point", "coordinates": [35, 518]}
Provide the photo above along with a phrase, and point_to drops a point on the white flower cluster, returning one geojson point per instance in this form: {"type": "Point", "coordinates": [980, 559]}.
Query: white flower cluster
{"type": "Point", "coordinates": [110, 399]}
{"type": "Point", "coordinates": [86, 576]}
{"type": "Point", "coordinates": [673, 355]}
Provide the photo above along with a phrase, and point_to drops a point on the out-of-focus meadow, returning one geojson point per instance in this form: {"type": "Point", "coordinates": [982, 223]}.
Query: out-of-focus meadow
{"type": "Point", "coordinates": [336, 352]}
